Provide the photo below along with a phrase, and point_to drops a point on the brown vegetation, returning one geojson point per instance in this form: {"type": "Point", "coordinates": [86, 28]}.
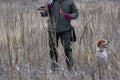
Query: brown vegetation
{"type": "Point", "coordinates": [24, 42]}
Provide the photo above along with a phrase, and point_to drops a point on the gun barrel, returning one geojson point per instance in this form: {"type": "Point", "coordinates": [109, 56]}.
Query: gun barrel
{"type": "Point", "coordinates": [41, 8]}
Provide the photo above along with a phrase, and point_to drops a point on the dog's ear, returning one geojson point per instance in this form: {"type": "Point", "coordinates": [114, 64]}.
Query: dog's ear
{"type": "Point", "coordinates": [98, 44]}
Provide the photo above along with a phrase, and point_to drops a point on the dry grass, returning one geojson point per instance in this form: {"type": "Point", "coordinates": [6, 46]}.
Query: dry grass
{"type": "Point", "coordinates": [24, 42]}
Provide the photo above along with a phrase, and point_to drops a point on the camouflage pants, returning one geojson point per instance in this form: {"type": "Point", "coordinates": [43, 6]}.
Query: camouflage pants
{"type": "Point", "coordinates": [53, 44]}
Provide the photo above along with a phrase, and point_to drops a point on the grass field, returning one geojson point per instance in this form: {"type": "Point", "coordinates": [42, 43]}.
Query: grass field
{"type": "Point", "coordinates": [24, 50]}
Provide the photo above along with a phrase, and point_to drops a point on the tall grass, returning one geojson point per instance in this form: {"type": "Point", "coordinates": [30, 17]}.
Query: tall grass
{"type": "Point", "coordinates": [24, 51]}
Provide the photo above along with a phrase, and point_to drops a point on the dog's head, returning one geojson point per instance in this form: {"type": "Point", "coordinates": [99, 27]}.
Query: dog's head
{"type": "Point", "coordinates": [102, 43]}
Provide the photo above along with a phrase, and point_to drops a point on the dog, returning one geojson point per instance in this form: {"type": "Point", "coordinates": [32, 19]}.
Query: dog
{"type": "Point", "coordinates": [101, 54]}
{"type": "Point", "coordinates": [102, 57]}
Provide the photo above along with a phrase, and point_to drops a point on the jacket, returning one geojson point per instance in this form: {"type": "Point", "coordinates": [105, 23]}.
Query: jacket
{"type": "Point", "coordinates": [56, 21]}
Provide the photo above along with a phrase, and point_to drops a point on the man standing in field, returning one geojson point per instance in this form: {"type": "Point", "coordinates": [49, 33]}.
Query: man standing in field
{"type": "Point", "coordinates": [60, 13]}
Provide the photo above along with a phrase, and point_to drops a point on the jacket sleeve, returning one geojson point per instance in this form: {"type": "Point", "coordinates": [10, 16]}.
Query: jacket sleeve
{"type": "Point", "coordinates": [74, 11]}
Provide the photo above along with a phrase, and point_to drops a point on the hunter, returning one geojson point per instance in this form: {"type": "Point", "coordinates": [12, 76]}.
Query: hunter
{"type": "Point", "coordinates": [60, 13]}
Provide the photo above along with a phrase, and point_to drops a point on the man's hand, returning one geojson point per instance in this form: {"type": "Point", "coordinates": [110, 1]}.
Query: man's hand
{"type": "Point", "coordinates": [68, 17]}
{"type": "Point", "coordinates": [49, 5]}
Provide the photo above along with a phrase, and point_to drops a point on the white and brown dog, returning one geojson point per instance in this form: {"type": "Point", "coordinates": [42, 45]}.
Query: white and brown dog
{"type": "Point", "coordinates": [102, 56]}
{"type": "Point", "coordinates": [101, 53]}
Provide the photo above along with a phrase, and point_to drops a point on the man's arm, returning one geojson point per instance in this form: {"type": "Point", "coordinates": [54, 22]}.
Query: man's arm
{"type": "Point", "coordinates": [74, 11]}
